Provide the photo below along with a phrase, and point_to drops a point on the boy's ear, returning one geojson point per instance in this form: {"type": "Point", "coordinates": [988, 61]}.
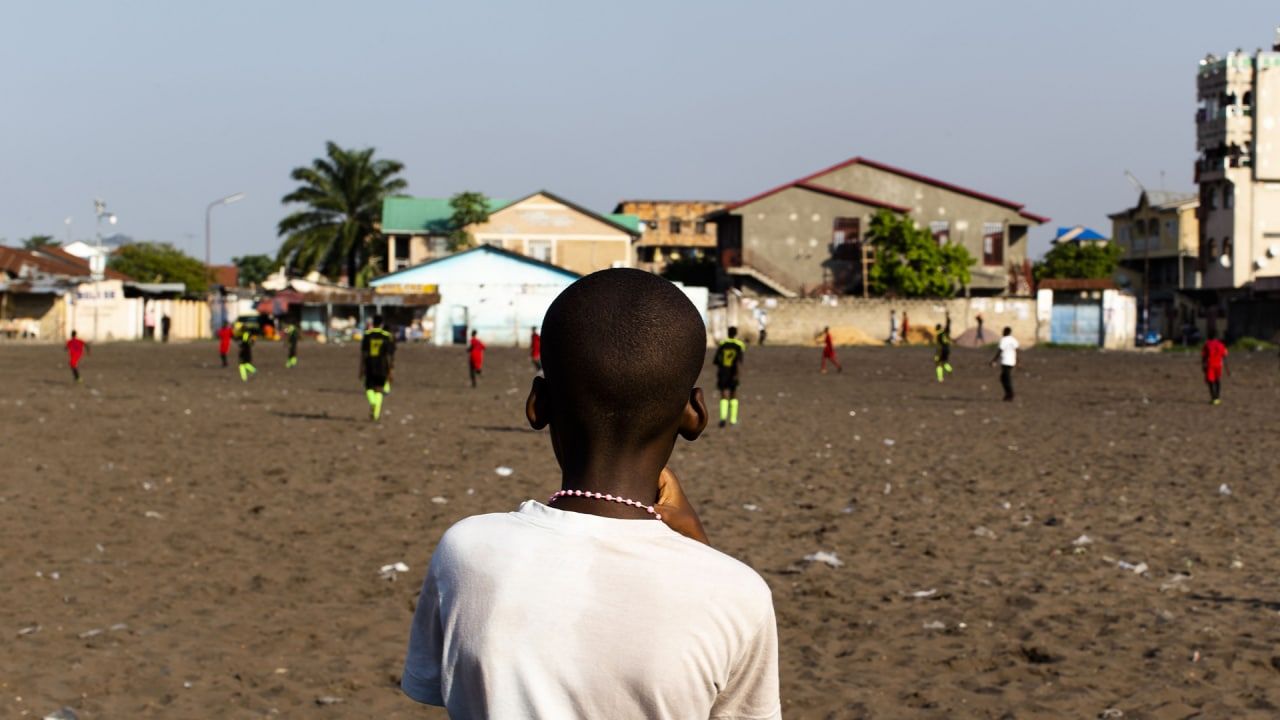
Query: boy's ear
{"type": "Point", "coordinates": [535, 407]}
{"type": "Point", "coordinates": [694, 419]}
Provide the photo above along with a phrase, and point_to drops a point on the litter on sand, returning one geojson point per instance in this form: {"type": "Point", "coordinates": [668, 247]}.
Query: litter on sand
{"type": "Point", "coordinates": [823, 556]}
{"type": "Point", "coordinates": [389, 572]}
{"type": "Point", "coordinates": [921, 594]}
{"type": "Point", "coordinates": [1224, 489]}
{"type": "Point", "coordinates": [64, 713]}
{"type": "Point", "coordinates": [750, 508]}
{"type": "Point", "coordinates": [935, 625]}
{"type": "Point", "coordinates": [328, 700]}
{"type": "Point", "coordinates": [1082, 541]}
{"type": "Point", "coordinates": [439, 500]}
{"type": "Point", "coordinates": [503, 471]}
{"type": "Point", "coordinates": [1137, 569]}
{"type": "Point", "coordinates": [983, 531]}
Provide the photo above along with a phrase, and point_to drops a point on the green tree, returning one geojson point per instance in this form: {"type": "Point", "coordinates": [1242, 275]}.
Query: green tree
{"type": "Point", "coordinates": [35, 242]}
{"type": "Point", "coordinates": [469, 208]}
{"type": "Point", "coordinates": [910, 263]}
{"type": "Point", "coordinates": [338, 230]}
{"type": "Point", "coordinates": [160, 262]}
{"type": "Point", "coordinates": [254, 269]}
{"type": "Point", "coordinates": [1092, 261]}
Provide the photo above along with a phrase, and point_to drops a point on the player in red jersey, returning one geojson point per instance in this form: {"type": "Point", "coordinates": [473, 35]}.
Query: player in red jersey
{"type": "Point", "coordinates": [535, 350]}
{"type": "Point", "coordinates": [76, 349]}
{"type": "Point", "coordinates": [224, 342]}
{"type": "Point", "coordinates": [829, 351]}
{"type": "Point", "coordinates": [1213, 359]}
{"type": "Point", "coordinates": [475, 357]}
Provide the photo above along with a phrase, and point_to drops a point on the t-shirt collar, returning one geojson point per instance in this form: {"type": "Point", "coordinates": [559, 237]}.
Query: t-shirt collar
{"type": "Point", "coordinates": [583, 524]}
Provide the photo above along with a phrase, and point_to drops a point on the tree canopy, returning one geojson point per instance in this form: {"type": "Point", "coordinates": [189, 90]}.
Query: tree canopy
{"type": "Point", "coordinates": [336, 233]}
{"type": "Point", "coordinates": [469, 208]}
{"type": "Point", "coordinates": [160, 262]}
{"type": "Point", "coordinates": [253, 269]}
{"type": "Point", "coordinates": [1091, 261]}
{"type": "Point", "coordinates": [910, 263]}
{"type": "Point", "coordinates": [36, 242]}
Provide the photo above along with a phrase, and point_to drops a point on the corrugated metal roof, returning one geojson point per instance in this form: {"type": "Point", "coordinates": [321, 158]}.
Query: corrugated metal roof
{"type": "Point", "coordinates": [423, 215]}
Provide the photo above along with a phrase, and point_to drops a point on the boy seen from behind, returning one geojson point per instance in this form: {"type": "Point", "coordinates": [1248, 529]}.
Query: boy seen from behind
{"type": "Point", "coordinates": [600, 603]}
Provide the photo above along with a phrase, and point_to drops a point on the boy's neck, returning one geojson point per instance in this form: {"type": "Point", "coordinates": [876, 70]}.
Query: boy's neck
{"type": "Point", "coordinates": [630, 475]}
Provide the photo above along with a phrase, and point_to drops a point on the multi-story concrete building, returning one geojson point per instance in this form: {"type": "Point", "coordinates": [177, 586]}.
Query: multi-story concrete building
{"type": "Point", "coordinates": [1160, 238]}
{"type": "Point", "coordinates": [806, 236]}
{"type": "Point", "coordinates": [542, 226]}
{"type": "Point", "coordinates": [672, 230]}
{"type": "Point", "coordinates": [1238, 169]}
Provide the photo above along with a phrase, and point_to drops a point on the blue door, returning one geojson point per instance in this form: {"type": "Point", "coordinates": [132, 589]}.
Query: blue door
{"type": "Point", "coordinates": [1077, 323]}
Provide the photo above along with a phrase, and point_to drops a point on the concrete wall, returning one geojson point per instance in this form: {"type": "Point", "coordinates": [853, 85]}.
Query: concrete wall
{"type": "Point", "coordinates": [855, 320]}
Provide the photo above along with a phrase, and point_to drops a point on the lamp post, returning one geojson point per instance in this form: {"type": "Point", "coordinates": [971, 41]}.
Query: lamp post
{"type": "Point", "coordinates": [98, 269]}
{"type": "Point", "coordinates": [208, 233]}
{"type": "Point", "coordinates": [219, 317]}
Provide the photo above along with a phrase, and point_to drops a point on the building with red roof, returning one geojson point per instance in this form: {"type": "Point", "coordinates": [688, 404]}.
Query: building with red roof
{"type": "Point", "coordinates": [806, 237]}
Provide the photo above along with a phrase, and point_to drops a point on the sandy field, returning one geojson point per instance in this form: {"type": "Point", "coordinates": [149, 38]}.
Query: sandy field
{"type": "Point", "coordinates": [177, 544]}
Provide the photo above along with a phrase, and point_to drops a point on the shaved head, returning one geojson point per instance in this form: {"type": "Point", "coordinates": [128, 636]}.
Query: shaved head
{"type": "Point", "coordinates": [622, 351]}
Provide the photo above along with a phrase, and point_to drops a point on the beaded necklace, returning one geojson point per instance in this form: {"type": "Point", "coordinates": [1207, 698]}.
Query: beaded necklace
{"type": "Point", "coordinates": [603, 496]}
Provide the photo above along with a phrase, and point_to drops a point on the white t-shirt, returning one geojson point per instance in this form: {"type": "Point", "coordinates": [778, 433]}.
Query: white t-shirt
{"type": "Point", "coordinates": [1009, 350]}
{"type": "Point", "coordinates": [542, 613]}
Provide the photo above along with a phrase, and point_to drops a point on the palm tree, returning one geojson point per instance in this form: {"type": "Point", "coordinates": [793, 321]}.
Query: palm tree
{"type": "Point", "coordinates": [343, 193]}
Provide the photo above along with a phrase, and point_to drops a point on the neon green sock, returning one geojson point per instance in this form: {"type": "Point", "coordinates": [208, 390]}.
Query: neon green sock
{"type": "Point", "coordinates": [386, 389]}
{"type": "Point", "coordinates": [724, 409]}
{"type": "Point", "coordinates": [733, 411]}
{"type": "Point", "coordinates": [244, 372]}
{"type": "Point", "coordinates": [291, 362]}
{"type": "Point", "coordinates": [375, 403]}
{"type": "Point", "coordinates": [946, 366]}
{"type": "Point", "coordinates": [938, 368]}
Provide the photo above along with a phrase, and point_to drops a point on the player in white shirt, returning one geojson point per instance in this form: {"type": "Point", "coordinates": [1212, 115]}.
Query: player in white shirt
{"type": "Point", "coordinates": [1007, 355]}
{"type": "Point", "coordinates": [605, 602]}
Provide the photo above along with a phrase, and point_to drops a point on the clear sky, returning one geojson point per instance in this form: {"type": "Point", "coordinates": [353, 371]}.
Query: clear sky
{"type": "Point", "coordinates": [162, 106]}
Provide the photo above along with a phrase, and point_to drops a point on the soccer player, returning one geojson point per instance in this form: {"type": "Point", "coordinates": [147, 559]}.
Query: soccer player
{"type": "Point", "coordinates": [829, 352]}
{"type": "Point", "coordinates": [291, 335]}
{"type": "Point", "coordinates": [942, 356]}
{"type": "Point", "coordinates": [76, 349]}
{"type": "Point", "coordinates": [246, 356]}
{"type": "Point", "coordinates": [225, 333]}
{"type": "Point", "coordinates": [728, 362]}
{"type": "Point", "coordinates": [1213, 360]}
{"type": "Point", "coordinates": [535, 350]}
{"type": "Point", "coordinates": [1007, 354]}
{"type": "Point", "coordinates": [475, 357]}
{"type": "Point", "coordinates": [377, 362]}
{"type": "Point", "coordinates": [906, 328]}
{"type": "Point", "coordinates": [606, 602]}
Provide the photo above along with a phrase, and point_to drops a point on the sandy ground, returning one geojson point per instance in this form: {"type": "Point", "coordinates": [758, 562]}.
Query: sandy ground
{"type": "Point", "coordinates": [177, 544]}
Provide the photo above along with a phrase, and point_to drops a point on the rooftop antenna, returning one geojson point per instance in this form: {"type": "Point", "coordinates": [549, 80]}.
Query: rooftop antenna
{"type": "Point", "coordinates": [1135, 182]}
{"type": "Point", "coordinates": [1161, 181]}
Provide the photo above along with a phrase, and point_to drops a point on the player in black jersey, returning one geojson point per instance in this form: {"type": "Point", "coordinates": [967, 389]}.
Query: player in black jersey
{"type": "Point", "coordinates": [377, 361]}
{"type": "Point", "coordinates": [728, 362]}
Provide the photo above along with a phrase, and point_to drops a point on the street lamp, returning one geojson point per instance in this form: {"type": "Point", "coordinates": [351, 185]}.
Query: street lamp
{"type": "Point", "coordinates": [220, 317]}
{"type": "Point", "coordinates": [208, 234]}
{"type": "Point", "coordinates": [98, 267]}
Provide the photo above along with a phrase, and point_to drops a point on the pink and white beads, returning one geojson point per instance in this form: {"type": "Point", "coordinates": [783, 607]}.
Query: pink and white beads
{"type": "Point", "coordinates": [603, 496]}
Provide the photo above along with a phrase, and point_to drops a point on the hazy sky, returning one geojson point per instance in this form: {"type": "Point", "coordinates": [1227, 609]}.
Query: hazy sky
{"type": "Point", "coordinates": [160, 107]}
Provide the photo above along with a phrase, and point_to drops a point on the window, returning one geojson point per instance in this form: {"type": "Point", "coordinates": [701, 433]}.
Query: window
{"type": "Point", "coordinates": [1228, 196]}
{"type": "Point", "coordinates": [652, 224]}
{"type": "Point", "coordinates": [700, 227]}
{"type": "Point", "coordinates": [992, 244]}
{"type": "Point", "coordinates": [674, 226]}
{"type": "Point", "coordinates": [845, 231]}
{"type": "Point", "coordinates": [492, 242]}
{"type": "Point", "coordinates": [941, 230]}
{"type": "Point", "coordinates": [540, 250]}
{"type": "Point", "coordinates": [1226, 246]}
